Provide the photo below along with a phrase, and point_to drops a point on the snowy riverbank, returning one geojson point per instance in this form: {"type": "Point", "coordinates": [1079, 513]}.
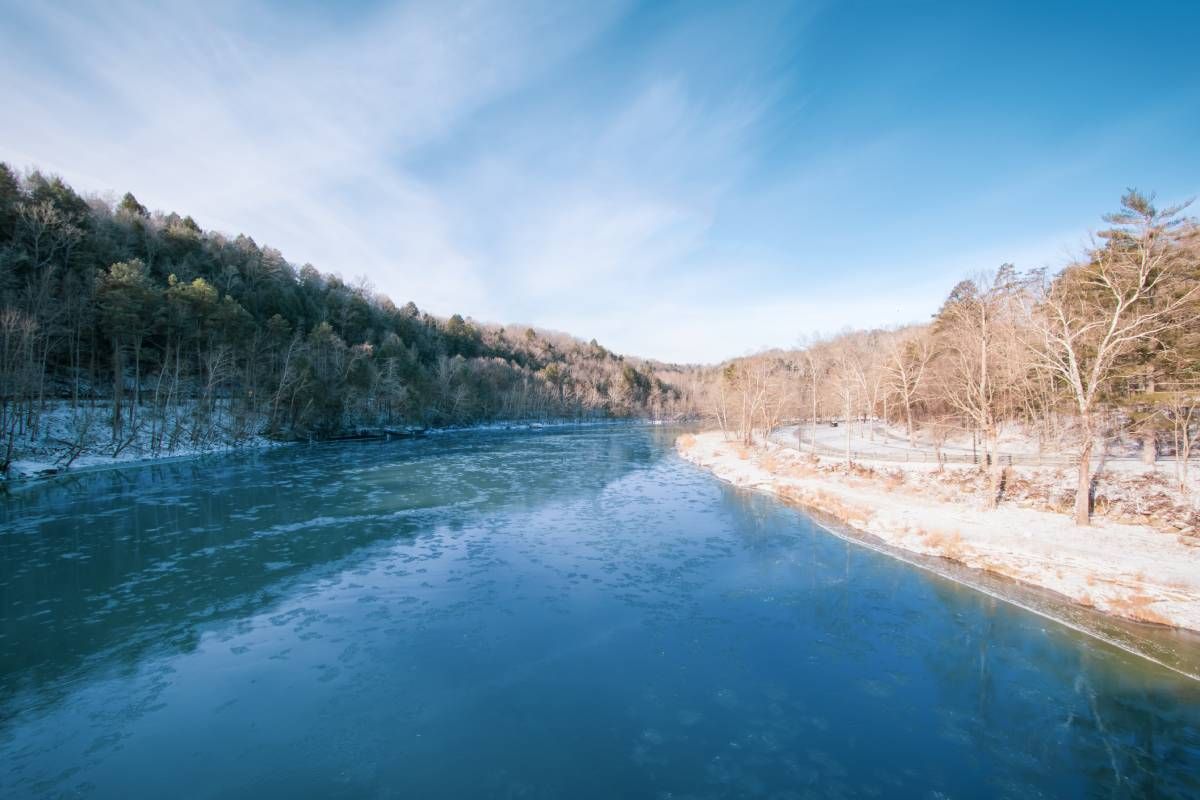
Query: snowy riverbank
{"type": "Point", "coordinates": [1130, 571]}
{"type": "Point", "coordinates": [64, 445]}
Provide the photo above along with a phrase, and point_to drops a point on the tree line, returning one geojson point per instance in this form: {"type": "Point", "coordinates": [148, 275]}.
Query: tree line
{"type": "Point", "coordinates": [1107, 347]}
{"type": "Point", "coordinates": [158, 334]}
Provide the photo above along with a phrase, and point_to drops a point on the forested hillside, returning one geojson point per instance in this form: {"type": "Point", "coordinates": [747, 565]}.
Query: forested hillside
{"type": "Point", "coordinates": [145, 330]}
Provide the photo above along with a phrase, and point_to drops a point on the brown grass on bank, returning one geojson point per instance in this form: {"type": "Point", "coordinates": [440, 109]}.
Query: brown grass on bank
{"type": "Point", "coordinates": [948, 544]}
{"type": "Point", "coordinates": [800, 470]}
{"type": "Point", "coordinates": [847, 512]}
{"type": "Point", "coordinates": [1137, 607]}
{"type": "Point", "coordinates": [996, 568]}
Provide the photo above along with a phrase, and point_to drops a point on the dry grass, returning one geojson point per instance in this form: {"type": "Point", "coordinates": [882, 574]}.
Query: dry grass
{"type": "Point", "coordinates": [826, 503]}
{"type": "Point", "coordinates": [861, 470]}
{"type": "Point", "coordinates": [799, 471]}
{"type": "Point", "coordinates": [686, 441]}
{"type": "Point", "coordinates": [853, 514]}
{"type": "Point", "coordinates": [789, 493]}
{"type": "Point", "coordinates": [948, 544]}
{"type": "Point", "coordinates": [1003, 570]}
{"type": "Point", "coordinates": [1137, 607]}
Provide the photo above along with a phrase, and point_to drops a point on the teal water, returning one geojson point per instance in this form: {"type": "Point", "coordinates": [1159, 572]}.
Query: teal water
{"type": "Point", "coordinates": [557, 614]}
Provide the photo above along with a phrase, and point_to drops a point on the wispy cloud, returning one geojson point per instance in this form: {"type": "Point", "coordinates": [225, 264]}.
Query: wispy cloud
{"type": "Point", "coordinates": [295, 135]}
{"type": "Point", "coordinates": [312, 140]}
{"type": "Point", "coordinates": [681, 181]}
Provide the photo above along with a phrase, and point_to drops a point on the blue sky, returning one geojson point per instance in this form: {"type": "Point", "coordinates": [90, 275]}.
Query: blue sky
{"type": "Point", "coordinates": [687, 181]}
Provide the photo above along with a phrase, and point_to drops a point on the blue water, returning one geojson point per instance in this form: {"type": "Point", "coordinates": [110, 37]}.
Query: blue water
{"type": "Point", "coordinates": [540, 615]}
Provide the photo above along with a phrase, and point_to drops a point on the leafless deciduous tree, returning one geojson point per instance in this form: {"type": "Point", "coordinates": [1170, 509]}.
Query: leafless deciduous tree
{"type": "Point", "coordinates": [981, 364]}
{"type": "Point", "coordinates": [1098, 310]}
{"type": "Point", "coordinates": [908, 355]}
{"type": "Point", "coordinates": [1108, 345]}
{"type": "Point", "coordinates": [1183, 410]}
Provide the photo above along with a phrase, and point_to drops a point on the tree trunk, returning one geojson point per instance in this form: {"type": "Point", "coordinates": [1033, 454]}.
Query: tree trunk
{"type": "Point", "coordinates": [1149, 447]}
{"type": "Point", "coordinates": [814, 415]}
{"type": "Point", "coordinates": [995, 470]}
{"type": "Point", "coordinates": [76, 364]}
{"type": "Point", "coordinates": [847, 424]}
{"type": "Point", "coordinates": [137, 382]}
{"type": "Point", "coordinates": [117, 390]}
{"type": "Point", "coordinates": [1083, 488]}
{"type": "Point", "coordinates": [41, 401]}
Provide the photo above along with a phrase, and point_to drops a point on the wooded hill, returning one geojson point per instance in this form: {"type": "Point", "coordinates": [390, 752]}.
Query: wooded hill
{"type": "Point", "coordinates": [148, 326]}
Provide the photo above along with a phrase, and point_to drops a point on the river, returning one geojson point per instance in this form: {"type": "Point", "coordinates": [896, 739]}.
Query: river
{"type": "Point", "coordinates": [564, 613]}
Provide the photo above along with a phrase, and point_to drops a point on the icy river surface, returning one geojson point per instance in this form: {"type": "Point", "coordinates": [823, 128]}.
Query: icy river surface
{"type": "Point", "coordinates": [559, 613]}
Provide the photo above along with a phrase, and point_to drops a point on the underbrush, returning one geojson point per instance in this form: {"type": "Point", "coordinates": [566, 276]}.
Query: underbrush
{"type": "Point", "coordinates": [948, 544]}
{"type": "Point", "coordinates": [1151, 499]}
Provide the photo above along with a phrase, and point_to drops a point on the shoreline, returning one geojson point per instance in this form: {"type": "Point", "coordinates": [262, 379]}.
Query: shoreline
{"type": "Point", "coordinates": [1129, 573]}
{"type": "Point", "coordinates": [1146, 641]}
{"type": "Point", "coordinates": [49, 472]}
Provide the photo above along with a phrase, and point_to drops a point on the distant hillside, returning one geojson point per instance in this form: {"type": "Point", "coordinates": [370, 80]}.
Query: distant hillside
{"type": "Point", "coordinates": [182, 334]}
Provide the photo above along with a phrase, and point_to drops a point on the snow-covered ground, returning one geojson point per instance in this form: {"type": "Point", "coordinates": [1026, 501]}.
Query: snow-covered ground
{"type": "Point", "coordinates": [874, 440]}
{"type": "Point", "coordinates": [81, 439]}
{"type": "Point", "coordinates": [1133, 571]}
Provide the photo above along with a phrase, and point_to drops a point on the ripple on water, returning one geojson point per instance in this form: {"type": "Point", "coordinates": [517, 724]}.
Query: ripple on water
{"type": "Point", "coordinates": [582, 613]}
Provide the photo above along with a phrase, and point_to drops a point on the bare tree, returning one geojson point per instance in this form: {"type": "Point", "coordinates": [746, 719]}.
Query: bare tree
{"type": "Point", "coordinates": [815, 366]}
{"type": "Point", "coordinates": [1184, 411]}
{"type": "Point", "coordinates": [907, 356]}
{"type": "Point", "coordinates": [776, 377]}
{"type": "Point", "coordinates": [18, 337]}
{"type": "Point", "coordinates": [978, 369]}
{"type": "Point", "coordinates": [1097, 311]}
{"type": "Point", "coordinates": [848, 382]}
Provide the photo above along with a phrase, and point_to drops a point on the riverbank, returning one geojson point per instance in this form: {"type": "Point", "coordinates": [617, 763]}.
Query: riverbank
{"type": "Point", "coordinates": [1130, 571]}
{"type": "Point", "coordinates": [53, 454]}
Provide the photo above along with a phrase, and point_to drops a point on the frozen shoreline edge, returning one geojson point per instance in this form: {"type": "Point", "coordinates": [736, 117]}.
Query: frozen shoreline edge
{"type": "Point", "coordinates": [1150, 642]}
{"type": "Point", "coordinates": [913, 559]}
{"type": "Point", "coordinates": [261, 444]}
